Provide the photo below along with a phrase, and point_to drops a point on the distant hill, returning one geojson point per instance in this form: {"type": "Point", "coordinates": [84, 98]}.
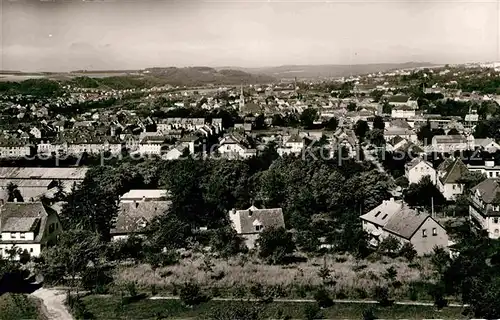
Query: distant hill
{"type": "Point", "coordinates": [193, 76]}
{"type": "Point", "coordinates": [330, 70]}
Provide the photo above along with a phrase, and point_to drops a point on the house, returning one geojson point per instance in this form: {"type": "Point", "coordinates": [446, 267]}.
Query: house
{"type": "Point", "coordinates": [346, 139]}
{"type": "Point", "coordinates": [134, 216]}
{"type": "Point", "coordinates": [489, 168]}
{"type": "Point", "coordinates": [395, 143]}
{"type": "Point", "coordinates": [418, 168]}
{"type": "Point", "coordinates": [449, 174]}
{"type": "Point", "coordinates": [394, 218]}
{"type": "Point", "coordinates": [408, 134]}
{"type": "Point", "coordinates": [484, 206]}
{"type": "Point", "coordinates": [14, 148]}
{"type": "Point", "coordinates": [402, 112]}
{"type": "Point", "coordinates": [252, 221]}
{"type": "Point", "coordinates": [451, 143]}
{"type": "Point", "coordinates": [233, 147]}
{"type": "Point", "coordinates": [487, 144]}
{"type": "Point", "coordinates": [27, 226]}
{"type": "Point", "coordinates": [152, 145]}
{"type": "Point", "coordinates": [294, 144]}
{"type": "Point", "coordinates": [144, 195]}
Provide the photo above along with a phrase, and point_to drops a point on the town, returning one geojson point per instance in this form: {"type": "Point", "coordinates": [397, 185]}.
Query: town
{"type": "Point", "coordinates": [374, 195]}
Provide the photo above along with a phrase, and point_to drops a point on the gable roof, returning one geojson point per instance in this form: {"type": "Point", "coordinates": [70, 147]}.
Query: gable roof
{"type": "Point", "coordinates": [24, 217]}
{"type": "Point", "coordinates": [406, 222]}
{"type": "Point", "coordinates": [398, 98]}
{"type": "Point", "coordinates": [489, 190]}
{"type": "Point", "coordinates": [410, 165]}
{"type": "Point", "coordinates": [382, 213]}
{"type": "Point", "coordinates": [410, 147]}
{"type": "Point", "coordinates": [399, 123]}
{"type": "Point", "coordinates": [266, 217]}
{"type": "Point", "coordinates": [454, 172]}
{"type": "Point", "coordinates": [132, 214]}
{"type": "Point", "coordinates": [394, 141]}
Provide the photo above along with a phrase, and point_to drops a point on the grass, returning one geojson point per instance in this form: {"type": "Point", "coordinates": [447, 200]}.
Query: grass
{"type": "Point", "coordinates": [109, 307]}
{"type": "Point", "coordinates": [19, 306]}
{"type": "Point", "coordinates": [350, 278]}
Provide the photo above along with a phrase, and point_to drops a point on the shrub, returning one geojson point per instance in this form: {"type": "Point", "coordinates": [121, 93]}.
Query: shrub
{"type": "Point", "coordinates": [311, 312]}
{"type": "Point", "coordinates": [275, 244]}
{"type": "Point", "coordinates": [369, 314]}
{"type": "Point", "coordinates": [257, 290]}
{"type": "Point", "coordinates": [323, 299]}
{"type": "Point", "coordinates": [191, 295]}
{"type": "Point", "coordinates": [408, 251]}
{"type": "Point", "coordinates": [382, 296]}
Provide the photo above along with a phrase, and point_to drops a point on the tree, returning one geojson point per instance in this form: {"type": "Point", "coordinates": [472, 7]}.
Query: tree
{"type": "Point", "coordinates": [453, 132]}
{"type": "Point", "coordinates": [471, 179]}
{"type": "Point", "coordinates": [76, 249]}
{"type": "Point", "coordinates": [226, 242]}
{"type": "Point", "coordinates": [331, 124]}
{"type": "Point", "coordinates": [361, 128]}
{"type": "Point", "coordinates": [275, 244]}
{"type": "Point", "coordinates": [167, 231]}
{"type": "Point", "coordinates": [308, 116]}
{"type": "Point", "coordinates": [423, 194]}
{"type": "Point", "coordinates": [323, 298]}
{"type": "Point", "coordinates": [376, 137]}
{"type": "Point", "coordinates": [408, 251]}
{"type": "Point", "coordinates": [191, 295]}
{"type": "Point", "coordinates": [378, 123]}
{"type": "Point", "coordinates": [93, 204]}
{"type": "Point", "coordinates": [13, 193]}
{"type": "Point", "coordinates": [389, 245]}
{"type": "Point", "coordinates": [352, 106]}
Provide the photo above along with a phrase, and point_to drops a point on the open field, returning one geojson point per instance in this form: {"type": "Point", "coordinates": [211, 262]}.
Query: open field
{"type": "Point", "coordinates": [349, 278]}
{"type": "Point", "coordinates": [103, 307]}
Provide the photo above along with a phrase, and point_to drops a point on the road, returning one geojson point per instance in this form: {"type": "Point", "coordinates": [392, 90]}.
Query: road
{"type": "Point", "coordinates": [404, 303]}
{"type": "Point", "coordinates": [53, 300]}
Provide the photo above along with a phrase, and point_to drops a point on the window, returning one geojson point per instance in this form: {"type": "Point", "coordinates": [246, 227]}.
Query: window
{"type": "Point", "coordinates": [259, 227]}
{"type": "Point", "coordinates": [378, 213]}
{"type": "Point", "coordinates": [12, 235]}
{"type": "Point", "coordinates": [434, 232]}
{"type": "Point", "coordinates": [491, 174]}
{"type": "Point", "coordinates": [31, 250]}
{"type": "Point", "coordinates": [424, 233]}
{"type": "Point", "coordinates": [498, 173]}
{"type": "Point", "coordinates": [496, 232]}
{"type": "Point", "coordinates": [495, 220]}
{"type": "Point", "coordinates": [22, 235]}
{"type": "Point", "coordinates": [454, 187]}
{"type": "Point", "coordinates": [385, 216]}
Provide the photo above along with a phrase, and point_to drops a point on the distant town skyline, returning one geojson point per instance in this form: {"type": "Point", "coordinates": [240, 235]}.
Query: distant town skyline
{"type": "Point", "coordinates": [118, 35]}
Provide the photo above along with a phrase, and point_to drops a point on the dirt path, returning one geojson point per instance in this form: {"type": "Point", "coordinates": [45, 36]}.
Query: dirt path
{"type": "Point", "coordinates": [53, 300]}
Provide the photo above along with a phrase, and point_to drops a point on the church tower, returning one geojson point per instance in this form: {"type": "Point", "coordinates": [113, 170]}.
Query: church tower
{"type": "Point", "coordinates": [242, 99]}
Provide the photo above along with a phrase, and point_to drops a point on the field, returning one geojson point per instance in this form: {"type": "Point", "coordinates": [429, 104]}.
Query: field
{"type": "Point", "coordinates": [102, 307]}
{"type": "Point", "coordinates": [349, 278]}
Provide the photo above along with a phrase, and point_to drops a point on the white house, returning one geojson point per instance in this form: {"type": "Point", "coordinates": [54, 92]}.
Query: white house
{"type": "Point", "coordinates": [443, 143]}
{"type": "Point", "coordinates": [151, 145]}
{"type": "Point", "coordinates": [484, 206]}
{"type": "Point", "coordinates": [232, 148]}
{"type": "Point", "coordinates": [489, 168]}
{"type": "Point", "coordinates": [294, 144]}
{"type": "Point", "coordinates": [408, 134]}
{"type": "Point", "coordinates": [418, 168]}
{"type": "Point", "coordinates": [251, 222]}
{"type": "Point", "coordinates": [449, 174]}
{"type": "Point", "coordinates": [144, 195]}
{"type": "Point", "coordinates": [487, 144]}
{"type": "Point", "coordinates": [28, 227]}
{"type": "Point", "coordinates": [133, 217]}
{"type": "Point", "coordinates": [402, 112]}
{"type": "Point", "coordinates": [394, 218]}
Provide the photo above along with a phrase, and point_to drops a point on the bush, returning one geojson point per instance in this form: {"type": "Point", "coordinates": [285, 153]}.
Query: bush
{"type": "Point", "coordinates": [323, 299]}
{"type": "Point", "coordinates": [77, 307]}
{"type": "Point", "coordinates": [408, 251]}
{"type": "Point", "coordinates": [382, 296]}
{"type": "Point", "coordinates": [369, 314]}
{"type": "Point", "coordinates": [191, 295]}
{"type": "Point", "coordinates": [275, 244]}
{"type": "Point", "coordinates": [311, 312]}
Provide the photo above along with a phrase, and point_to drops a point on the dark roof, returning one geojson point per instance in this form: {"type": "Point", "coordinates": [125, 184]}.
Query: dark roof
{"type": "Point", "coordinates": [265, 217]}
{"type": "Point", "coordinates": [410, 147]}
{"type": "Point", "coordinates": [24, 217]}
{"type": "Point", "coordinates": [398, 98]}
{"type": "Point", "coordinates": [406, 222]}
{"type": "Point", "coordinates": [395, 140]}
{"type": "Point", "coordinates": [489, 190]}
{"type": "Point", "coordinates": [454, 172]}
{"type": "Point", "coordinates": [133, 216]}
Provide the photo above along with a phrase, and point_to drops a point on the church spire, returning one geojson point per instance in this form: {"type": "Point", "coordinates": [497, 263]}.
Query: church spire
{"type": "Point", "coordinates": [242, 98]}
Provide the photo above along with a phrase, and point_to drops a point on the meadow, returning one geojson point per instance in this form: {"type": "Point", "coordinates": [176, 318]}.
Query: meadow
{"type": "Point", "coordinates": [239, 276]}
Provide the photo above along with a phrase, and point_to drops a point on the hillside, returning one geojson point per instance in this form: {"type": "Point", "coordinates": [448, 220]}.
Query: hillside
{"type": "Point", "coordinates": [193, 76]}
{"type": "Point", "coordinates": [331, 70]}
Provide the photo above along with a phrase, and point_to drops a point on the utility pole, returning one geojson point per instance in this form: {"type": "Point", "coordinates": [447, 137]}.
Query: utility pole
{"type": "Point", "coordinates": [432, 207]}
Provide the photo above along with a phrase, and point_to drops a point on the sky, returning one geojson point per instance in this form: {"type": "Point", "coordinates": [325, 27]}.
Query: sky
{"type": "Point", "coordinates": [64, 35]}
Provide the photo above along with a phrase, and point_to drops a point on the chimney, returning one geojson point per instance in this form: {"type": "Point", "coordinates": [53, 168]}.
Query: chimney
{"type": "Point", "coordinates": [391, 200]}
{"type": "Point", "coordinates": [233, 211]}
{"type": "Point", "coordinates": [143, 198]}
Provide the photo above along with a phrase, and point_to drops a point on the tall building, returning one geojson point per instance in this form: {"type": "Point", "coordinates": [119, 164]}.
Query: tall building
{"type": "Point", "coordinates": [242, 99]}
